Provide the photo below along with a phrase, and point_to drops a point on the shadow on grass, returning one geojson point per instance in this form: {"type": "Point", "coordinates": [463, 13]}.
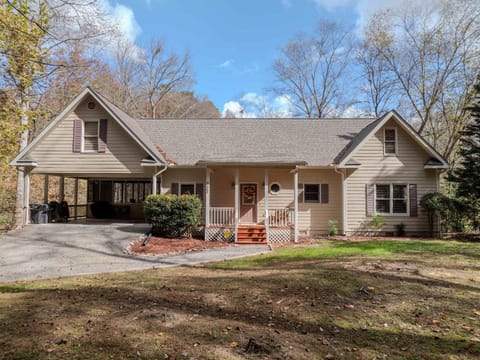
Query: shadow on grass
{"type": "Point", "coordinates": [113, 315]}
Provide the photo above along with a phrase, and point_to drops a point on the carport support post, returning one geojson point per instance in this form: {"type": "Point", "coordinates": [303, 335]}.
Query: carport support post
{"type": "Point", "coordinates": [61, 188]}
{"type": "Point", "coordinates": [26, 196]}
{"type": "Point", "coordinates": [75, 199]}
{"type": "Point", "coordinates": [45, 190]}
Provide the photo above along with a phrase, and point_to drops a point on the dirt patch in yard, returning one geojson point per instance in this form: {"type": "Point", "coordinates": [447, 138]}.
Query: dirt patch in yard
{"type": "Point", "coordinates": [167, 246]}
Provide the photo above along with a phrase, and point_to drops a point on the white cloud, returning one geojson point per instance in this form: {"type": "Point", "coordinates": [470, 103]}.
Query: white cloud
{"type": "Point", "coordinates": [124, 18]}
{"type": "Point", "coordinates": [365, 8]}
{"type": "Point", "coordinates": [235, 109]}
{"type": "Point", "coordinates": [253, 105]}
{"type": "Point", "coordinates": [226, 64]}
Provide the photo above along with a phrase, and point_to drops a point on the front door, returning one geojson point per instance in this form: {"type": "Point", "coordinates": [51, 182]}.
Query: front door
{"type": "Point", "coordinates": [248, 203]}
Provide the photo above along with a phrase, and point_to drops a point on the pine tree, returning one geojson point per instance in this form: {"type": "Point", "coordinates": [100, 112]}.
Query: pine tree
{"type": "Point", "coordinates": [467, 174]}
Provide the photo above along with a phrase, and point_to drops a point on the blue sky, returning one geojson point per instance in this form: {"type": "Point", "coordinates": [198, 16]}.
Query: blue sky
{"type": "Point", "coordinates": [233, 43]}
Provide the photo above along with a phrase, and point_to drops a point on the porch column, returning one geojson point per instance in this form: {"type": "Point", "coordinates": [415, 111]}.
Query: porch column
{"type": "Point", "coordinates": [45, 189]}
{"type": "Point", "coordinates": [75, 199]}
{"type": "Point", "coordinates": [26, 196]}
{"type": "Point", "coordinates": [295, 205]}
{"type": "Point", "coordinates": [207, 197]}
{"type": "Point", "coordinates": [344, 201]}
{"type": "Point", "coordinates": [265, 190]}
{"type": "Point", "coordinates": [61, 188]}
{"type": "Point", "coordinates": [237, 205]}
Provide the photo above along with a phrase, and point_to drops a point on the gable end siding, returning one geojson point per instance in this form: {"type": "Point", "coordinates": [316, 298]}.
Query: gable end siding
{"type": "Point", "coordinates": [406, 168]}
{"type": "Point", "coordinates": [54, 152]}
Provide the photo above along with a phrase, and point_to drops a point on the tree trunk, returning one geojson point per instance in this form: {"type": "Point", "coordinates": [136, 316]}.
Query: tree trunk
{"type": "Point", "coordinates": [20, 211]}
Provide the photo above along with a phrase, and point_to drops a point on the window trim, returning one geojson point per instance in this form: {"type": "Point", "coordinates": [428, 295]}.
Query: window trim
{"type": "Point", "coordinates": [391, 199]}
{"type": "Point", "coordinates": [274, 193]}
{"type": "Point", "coordinates": [90, 136]}
{"type": "Point", "coordinates": [319, 194]}
{"type": "Point", "coordinates": [395, 142]}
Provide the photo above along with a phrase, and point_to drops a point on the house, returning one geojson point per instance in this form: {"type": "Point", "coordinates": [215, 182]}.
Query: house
{"type": "Point", "coordinates": [258, 179]}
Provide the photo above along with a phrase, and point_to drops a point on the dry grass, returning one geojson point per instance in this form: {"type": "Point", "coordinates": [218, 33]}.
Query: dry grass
{"type": "Point", "coordinates": [418, 303]}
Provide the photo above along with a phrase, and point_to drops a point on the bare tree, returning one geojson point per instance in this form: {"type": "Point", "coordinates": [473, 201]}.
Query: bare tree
{"type": "Point", "coordinates": [311, 70]}
{"type": "Point", "coordinates": [163, 73]}
{"type": "Point", "coordinates": [378, 85]}
{"type": "Point", "coordinates": [433, 56]}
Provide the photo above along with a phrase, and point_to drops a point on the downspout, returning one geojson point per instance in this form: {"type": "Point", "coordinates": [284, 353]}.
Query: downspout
{"type": "Point", "coordinates": [344, 199]}
{"type": "Point", "coordinates": [154, 178]}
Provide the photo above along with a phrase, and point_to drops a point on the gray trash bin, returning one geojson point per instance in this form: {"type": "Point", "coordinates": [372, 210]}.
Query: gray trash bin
{"type": "Point", "coordinates": [39, 213]}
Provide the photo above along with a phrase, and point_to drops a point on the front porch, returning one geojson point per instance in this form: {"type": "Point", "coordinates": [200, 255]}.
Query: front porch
{"type": "Point", "coordinates": [251, 205]}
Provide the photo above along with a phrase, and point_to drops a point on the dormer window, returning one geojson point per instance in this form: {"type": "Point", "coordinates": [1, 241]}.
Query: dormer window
{"type": "Point", "coordinates": [390, 141]}
{"type": "Point", "coordinates": [90, 136]}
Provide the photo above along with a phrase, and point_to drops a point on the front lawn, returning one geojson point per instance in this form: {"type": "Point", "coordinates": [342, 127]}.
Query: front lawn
{"type": "Point", "coordinates": [363, 300]}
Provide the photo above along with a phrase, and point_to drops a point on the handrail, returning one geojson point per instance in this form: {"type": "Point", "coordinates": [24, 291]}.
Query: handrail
{"type": "Point", "coordinates": [222, 216]}
{"type": "Point", "coordinates": [280, 217]}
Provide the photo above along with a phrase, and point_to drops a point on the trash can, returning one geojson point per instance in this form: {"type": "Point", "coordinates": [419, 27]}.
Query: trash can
{"type": "Point", "coordinates": [39, 213]}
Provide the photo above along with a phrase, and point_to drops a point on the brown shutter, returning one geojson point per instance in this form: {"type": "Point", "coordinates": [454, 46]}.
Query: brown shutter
{"type": "Point", "coordinates": [324, 194]}
{"type": "Point", "coordinates": [370, 191]}
{"type": "Point", "coordinates": [102, 136]}
{"type": "Point", "coordinates": [199, 190]}
{"type": "Point", "coordinates": [412, 189]}
{"type": "Point", "coordinates": [174, 188]}
{"type": "Point", "coordinates": [77, 136]}
{"type": "Point", "coordinates": [300, 193]}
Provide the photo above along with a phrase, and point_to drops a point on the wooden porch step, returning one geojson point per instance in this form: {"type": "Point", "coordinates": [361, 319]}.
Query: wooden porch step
{"type": "Point", "coordinates": [251, 235]}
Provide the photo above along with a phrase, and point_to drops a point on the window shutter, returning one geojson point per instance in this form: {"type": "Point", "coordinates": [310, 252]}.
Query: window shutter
{"type": "Point", "coordinates": [174, 189]}
{"type": "Point", "coordinates": [102, 136]}
{"type": "Point", "coordinates": [77, 136]}
{"type": "Point", "coordinates": [324, 194]}
{"type": "Point", "coordinates": [412, 189]}
{"type": "Point", "coordinates": [370, 191]}
{"type": "Point", "coordinates": [199, 190]}
{"type": "Point", "coordinates": [300, 193]}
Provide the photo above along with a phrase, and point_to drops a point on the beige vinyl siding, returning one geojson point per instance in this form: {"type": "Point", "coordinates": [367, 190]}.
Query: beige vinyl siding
{"type": "Point", "coordinates": [313, 217]}
{"type": "Point", "coordinates": [181, 176]}
{"type": "Point", "coordinates": [405, 168]}
{"type": "Point", "coordinates": [54, 153]}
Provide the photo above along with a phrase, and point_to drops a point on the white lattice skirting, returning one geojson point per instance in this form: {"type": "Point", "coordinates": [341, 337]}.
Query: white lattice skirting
{"type": "Point", "coordinates": [220, 234]}
{"type": "Point", "coordinates": [277, 235]}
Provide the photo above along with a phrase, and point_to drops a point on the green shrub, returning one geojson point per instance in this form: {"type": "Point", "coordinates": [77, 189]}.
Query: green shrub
{"type": "Point", "coordinates": [377, 221]}
{"type": "Point", "coordinates": [172, 215]}
{"type": "Point", "coordinates": [450, 211]}
{"type": "Point", "coordinates": [332, 227]}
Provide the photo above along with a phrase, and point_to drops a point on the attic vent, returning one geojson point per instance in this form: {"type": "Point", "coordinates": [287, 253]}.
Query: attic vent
{"type": "Point", "coordinates": [91, 105]}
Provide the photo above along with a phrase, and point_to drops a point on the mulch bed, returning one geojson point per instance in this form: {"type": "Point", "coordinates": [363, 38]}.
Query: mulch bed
{"type": "Point", "coordinates": [168, 246]}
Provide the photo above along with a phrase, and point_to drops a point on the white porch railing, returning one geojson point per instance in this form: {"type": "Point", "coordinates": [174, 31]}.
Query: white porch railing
{"type": "Point", "coordinates": [222, 216]}
{"type": "Point", "coordinates": [281, 217]}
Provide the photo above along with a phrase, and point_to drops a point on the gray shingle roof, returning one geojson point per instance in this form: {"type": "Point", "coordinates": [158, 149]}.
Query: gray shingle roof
{"type": "Point", "coordinates": [316, 142]}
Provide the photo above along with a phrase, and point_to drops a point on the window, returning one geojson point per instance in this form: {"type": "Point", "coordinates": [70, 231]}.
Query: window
{"type": "Point", "coordinates": [90, 136]}
{"type": "Point", "coordinates": [274, 188]}
{"type": "Point", "coordinates": [131, 191]}
{"type": "Point", "coordinates": [390, 142]}
{"type": "Point", "coordinates": [311, 193]}
{"type": "Point", "coordinates": [391, 199]}
{"type": "Point", "coordinates": [187, 189]}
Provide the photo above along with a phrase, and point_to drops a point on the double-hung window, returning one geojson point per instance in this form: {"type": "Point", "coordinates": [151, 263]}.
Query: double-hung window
{"type": "Point", "coordinates": [90, 136]}
{"type": "Point", "coordinates": [390, 141]}
{"type": "Point", "coordinates": [391, 199]}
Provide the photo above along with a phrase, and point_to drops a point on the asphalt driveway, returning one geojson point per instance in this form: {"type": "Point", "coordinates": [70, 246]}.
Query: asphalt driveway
{"type": "Point", "coordinates": [53, 250]}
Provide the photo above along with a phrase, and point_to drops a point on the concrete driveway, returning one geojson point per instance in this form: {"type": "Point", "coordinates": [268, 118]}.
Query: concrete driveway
{"type": "Point", "coordinates": [53, 250]}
